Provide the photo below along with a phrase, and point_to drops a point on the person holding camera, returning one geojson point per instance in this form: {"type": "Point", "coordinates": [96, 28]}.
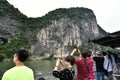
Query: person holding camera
{"type": "Point", "coordinates": [82, 64]}
{"type": "Point", "coordinates": [67, 73]}
{"type": "Point", "coordinates": [99, 62]}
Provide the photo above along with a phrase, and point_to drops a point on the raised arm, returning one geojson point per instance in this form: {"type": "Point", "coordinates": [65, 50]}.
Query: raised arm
{"type": "Point", "coordinates": [92, 54]}
{"type": "Point", "coordinates": [57, 64]}
{"type": "Point", "coordinates": [74, 50]}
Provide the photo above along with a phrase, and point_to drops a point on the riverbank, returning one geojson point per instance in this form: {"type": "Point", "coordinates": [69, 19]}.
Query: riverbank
{"type": "Point", "coordinates": [34, 57]}
{"type": "Point", "coordinates": [38, 57]}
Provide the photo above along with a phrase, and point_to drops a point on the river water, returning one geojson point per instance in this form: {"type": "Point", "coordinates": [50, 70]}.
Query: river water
{"type": "Point", "coordinates": [41, 68]}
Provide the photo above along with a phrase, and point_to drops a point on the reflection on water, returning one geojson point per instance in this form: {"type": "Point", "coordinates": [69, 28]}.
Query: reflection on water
{"type": "Point", "coordinates": [41, 68]}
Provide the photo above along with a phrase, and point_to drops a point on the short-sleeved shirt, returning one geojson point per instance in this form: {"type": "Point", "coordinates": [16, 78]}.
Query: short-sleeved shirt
{"type": "Point", "coordinates": [18, 73]}
{"type": "Point", "coordinates": [99, 64]}
{"type": "Point", "coordinates": [82, 71]}
{"type": "Point", "coordinates": [65, 74]}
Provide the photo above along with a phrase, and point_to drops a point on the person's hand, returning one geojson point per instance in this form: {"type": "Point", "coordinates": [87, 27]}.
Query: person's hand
{"type": "Point", "coordinates": [78, 51]}
{"type": "Point", "coordinates": [74, 50]}
{"type": "Point", "coordinates": [62, 63]}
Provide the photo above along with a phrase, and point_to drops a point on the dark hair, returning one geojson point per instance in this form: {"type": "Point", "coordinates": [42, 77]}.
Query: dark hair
{"type": "Point", "coordinates": [89, 53]}
{"type": "Point", "coordinates": [114, 55]}
{"type": "Point", "coordinates": [84, 54]}
{"type": "Point", "coordinates": [22, 55]}
{"type": "Point", "coordinates": [109, 52]}
{"type": "Point", "coordinates": [70, 59]}
{"type": "Point", "coordinates": [104, 53]}
{"type": "Point", "coordinates": [109, 55]}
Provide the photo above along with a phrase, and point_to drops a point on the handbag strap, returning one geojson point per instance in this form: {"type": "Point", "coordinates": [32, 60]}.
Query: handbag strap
{"type": "Point", "coordinates": [86, 65]}
{"type": "Point", "coordinates": [108, 65]}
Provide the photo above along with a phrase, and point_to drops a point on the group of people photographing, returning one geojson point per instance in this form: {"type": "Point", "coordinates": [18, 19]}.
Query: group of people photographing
{"type": "Point", "coordinates": [104, 62]}
{"type": "Point", "coordinates": [65, 69]}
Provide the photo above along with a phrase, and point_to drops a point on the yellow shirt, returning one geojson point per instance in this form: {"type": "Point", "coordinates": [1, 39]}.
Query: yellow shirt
{"type": "Point", "coordinates": [19, 73]}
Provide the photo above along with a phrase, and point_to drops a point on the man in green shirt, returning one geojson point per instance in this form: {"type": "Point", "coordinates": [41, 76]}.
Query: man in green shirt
{"type": "Point", "coordinates": [20, 71]}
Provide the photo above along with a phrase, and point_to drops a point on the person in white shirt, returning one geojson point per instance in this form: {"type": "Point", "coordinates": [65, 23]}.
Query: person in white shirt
{"type": "Point", "coordinates": [109, 64]}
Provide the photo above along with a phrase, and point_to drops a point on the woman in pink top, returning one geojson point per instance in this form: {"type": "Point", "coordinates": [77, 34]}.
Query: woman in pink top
{"type": "Point", "coordinates": [82, 64]}
{"type": "Point", "coordinates": [91, 64]}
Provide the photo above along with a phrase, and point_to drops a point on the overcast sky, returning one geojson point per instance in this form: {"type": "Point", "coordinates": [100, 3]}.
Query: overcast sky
{"type": "Point", "coordinates": [107, 12]}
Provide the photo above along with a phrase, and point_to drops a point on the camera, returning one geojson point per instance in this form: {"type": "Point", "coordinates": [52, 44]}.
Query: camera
{"type": "Point", "coordinates": [77, 50]}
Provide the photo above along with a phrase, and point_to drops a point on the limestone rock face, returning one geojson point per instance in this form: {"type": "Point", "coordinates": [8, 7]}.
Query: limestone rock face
{"type": "Point", "coordinates": [65, 32]}
{"type": "Point", "coordinates": [53, 33]}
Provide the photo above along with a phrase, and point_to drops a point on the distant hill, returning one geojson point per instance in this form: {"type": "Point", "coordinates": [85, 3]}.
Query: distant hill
{"type": "Point", "coordinates": [59, 30]}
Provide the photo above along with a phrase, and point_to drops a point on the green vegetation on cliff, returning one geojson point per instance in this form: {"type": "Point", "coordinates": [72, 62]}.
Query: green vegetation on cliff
{"type": "Point", "coordinates": [28, 27]}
